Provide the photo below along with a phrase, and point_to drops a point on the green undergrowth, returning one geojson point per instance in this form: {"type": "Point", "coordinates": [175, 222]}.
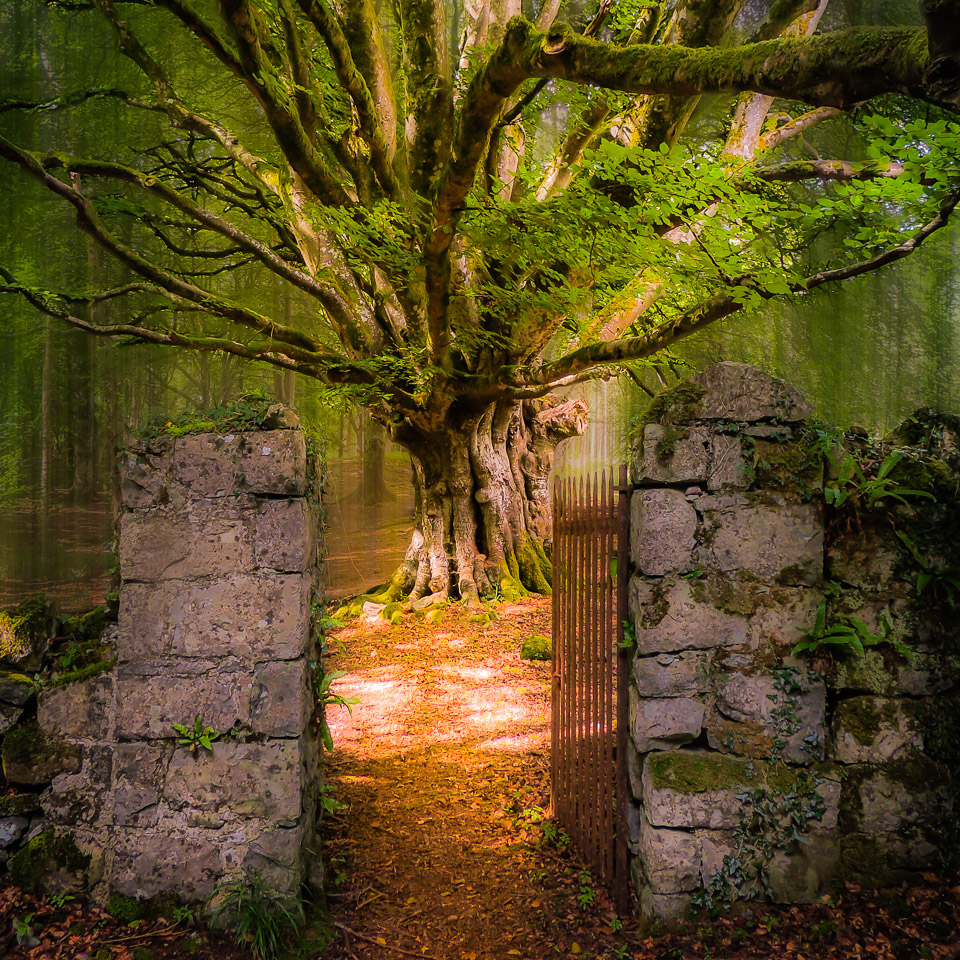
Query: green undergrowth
{"type": "Point", "coordinates": [248, 412]}
{"type": "Point", "coordinates": [83, 654]}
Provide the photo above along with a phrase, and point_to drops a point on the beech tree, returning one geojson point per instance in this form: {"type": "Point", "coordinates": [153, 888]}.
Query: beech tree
{"type": "Point", "coordinates": [476, 204]}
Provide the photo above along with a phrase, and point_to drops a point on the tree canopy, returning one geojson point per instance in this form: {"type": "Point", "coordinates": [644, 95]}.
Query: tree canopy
{"type": "Point", "coordinates": [475, 204]}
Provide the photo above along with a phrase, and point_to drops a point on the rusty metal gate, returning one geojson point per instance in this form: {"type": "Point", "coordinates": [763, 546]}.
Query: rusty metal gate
{"type": "Point", "coordinates": [590, 672]}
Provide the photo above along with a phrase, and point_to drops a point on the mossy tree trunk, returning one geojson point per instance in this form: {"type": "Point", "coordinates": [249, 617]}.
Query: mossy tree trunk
{"type": "Point", "coordinates": [481, 477]}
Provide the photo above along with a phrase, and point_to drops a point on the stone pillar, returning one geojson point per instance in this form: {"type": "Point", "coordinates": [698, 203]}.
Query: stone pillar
{"type": "Point", "coordinates": [219, 563]}
{"type": "Point", "coordinates": [757, 774]}
{"type": "Point", "coordinates": [727, 552]}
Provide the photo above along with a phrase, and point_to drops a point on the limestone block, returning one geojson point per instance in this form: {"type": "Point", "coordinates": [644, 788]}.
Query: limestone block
{"type": "Point", "coordinates": [251, 616]}
{"type": "Point", "coordinates": [738, 391]}
{"type": "Point", "coordinates": [9, 717]}
{"type": "Point", "coordinates": [665, 907]}
{"type": "Point", "coordinates": [238, 780]}
{"type": "Point", "coordinates": [83, 709]}
{"type": "Point", "coordinates": [148, 862]}
{"type": "Point", "coordinates": [770, 715]}
{"type": "Point", "coordinates": [669, 454]}
{"type": "Point", "coordinates": [901, 794]}
{"type": "Point", "coordinates": [33, 759]}
{"type": "Point", "coordinates": [669, 617]}
{"type": "Point", "coordinates": [284, 535]}
{"type": "Point", "coordinates": [776, 542]}
{"type": "Point", "coordinates": [874, 730]}
{"type": "Point", "coordinates": [146, 473]}
{"type": "Point", "coordinates": [929, 674]}
{"type": "Point", "coordinates": [275, 852]}
{"type": "Point", "coordinates": [269, 461]}
{"type": "Point", "coordinates": [727, 468]}
{"type": "Point", "coordinates": [84, 798]}
{"type": "Point", "coordinates": [779, 614]}
{"type": "Point", "coordinates": [807, 871]}
{"type": "Point", "coordinates": [664, 724]}
{"type": "Point", "coordinates": [867, 560]}
{"type": "Point", "coordinates": [280, 702]}
{"type": "Point", "coordinates": [662, 528]}
{"type": "Point", "coordinates": [714, 846]}
{"type": "Point", "coordinates": [140, 770]}
{"type": "Point", "coordinates": [208, 538]}
{"type": "Point", "coordinates": [672, 674]}
{"type": "Point", "coordinates": [154, 695]}
{"type": "Point", "coordinates": [670, 858]}
{"type": "Point", "coordinates": [634, 769]}
{"type": "Point", "coordinates": [11, 830]}
{"type": "Point", "coordinates": [693, 788]}
{"type": "Point", "coordinates": [16, 689]}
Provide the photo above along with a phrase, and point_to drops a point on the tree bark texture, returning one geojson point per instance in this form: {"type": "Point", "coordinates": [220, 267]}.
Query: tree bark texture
{"type": "Point", "coordinates": [483, 522]}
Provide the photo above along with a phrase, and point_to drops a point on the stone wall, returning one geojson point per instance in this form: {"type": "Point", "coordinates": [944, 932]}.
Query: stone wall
{"type": "Point", "coordinates": [218, 545]}
{"type": "Point", "coordinates": [756, 773]}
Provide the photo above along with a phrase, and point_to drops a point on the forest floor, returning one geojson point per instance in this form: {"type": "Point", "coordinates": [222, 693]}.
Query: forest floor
{"type": "Point", "coordinates": [440, 850]}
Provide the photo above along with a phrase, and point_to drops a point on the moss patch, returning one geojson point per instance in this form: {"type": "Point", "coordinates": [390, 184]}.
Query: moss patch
{"type": "Point", "coordinates": [864, 717]}
{"type": "Point", "coordinates": [25, 628]}
{"type": "Point", "coordinates": [44, 854]}
{"type": "Point", "coordinates": [681, 402]}
{"type": "Point", "coordinates": [19, 805]}
{"type": "Point", "coordinates": [537, 647]}
{"type": "Point", "coordinates": [30, 757]}
{"type": "Point", "coordinates": [787, 465]}
{"type": "Point", "coordinates": [126, 909]}
{"type": "Point", "coordinates": [696, 772]}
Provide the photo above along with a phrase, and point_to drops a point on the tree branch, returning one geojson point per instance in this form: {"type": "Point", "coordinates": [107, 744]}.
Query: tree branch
{"type": "Point", "coordinates": [837, 69]}
{"type": "Point", "coordinates": [90, 222]}
{"type": "Point", "coordinates": [721, 305]}
{"type": "Point", "coordinates": [353, 82]}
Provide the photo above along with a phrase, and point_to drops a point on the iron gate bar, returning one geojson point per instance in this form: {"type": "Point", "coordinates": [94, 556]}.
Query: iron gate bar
{"type": "Point", "coordinates": [590, 673]}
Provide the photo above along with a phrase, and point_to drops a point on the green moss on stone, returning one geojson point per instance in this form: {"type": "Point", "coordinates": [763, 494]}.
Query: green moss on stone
{"type": "Point", "coordinates": [45, 853]}
{"type": "Point", "coordinates": [29, 746]}
{"type": "Point", "coordinates": [19, 805]}
{"type": "Point", "coordinates": [83, 673]}
{"type": "Point", "coordinates": [536, 647]}
{"type": "Point", "coordinates": [864, 717]}
{"type": "Point", "coordinates": [24, 627]}
{"type": "Point", "coordinates": [787, 465]}
{"type": "Point", "coordinates": [681, 402]}
{"type": "Point", "coordinates": [126, 909]}
{"type": "Point", "coordinates": [695, 772]}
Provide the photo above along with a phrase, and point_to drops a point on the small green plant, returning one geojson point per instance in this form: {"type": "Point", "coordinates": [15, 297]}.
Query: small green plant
{"type": "Point", "coordinates": [846, 632]}
{"type": "Point", "coordinates": [59, 900]}
{"type": "Point", "coordinates": [184, 914]}
{"type": "Point", "coordinates": [944, 583]}
{"type": "Point", "coordinates": [329, 803]}
{"type": "Point", "coordinates": [196, 736]}
{"type": "Point", "coordinates": [263, 921]}
{"type": "Point", "coordinates": [854, 486]}
{"type": "Point", "coordinates": [585, 892]}
{"type": "Point", "coordinates": [629, 640]}
{"type": "Point", "coordinates": [23, 931]}
{"type": "Point", "coordinates": [326, 696]}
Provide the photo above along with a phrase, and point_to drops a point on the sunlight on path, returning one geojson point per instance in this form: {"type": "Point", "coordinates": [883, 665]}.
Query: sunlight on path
{"type": "Point", "coordinates": [443, 766]}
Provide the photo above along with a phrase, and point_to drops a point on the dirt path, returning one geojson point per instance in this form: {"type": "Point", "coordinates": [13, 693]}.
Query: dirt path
{"type": "Point", "coordinates": [444, 768]}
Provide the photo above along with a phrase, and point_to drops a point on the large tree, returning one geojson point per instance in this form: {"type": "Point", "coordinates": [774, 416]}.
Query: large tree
{"type": "Point", "coordinates": [474, 204]}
